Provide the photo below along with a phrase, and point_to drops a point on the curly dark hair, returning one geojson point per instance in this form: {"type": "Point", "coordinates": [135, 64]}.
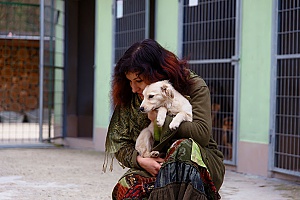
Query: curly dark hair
{"type": "Point", "coordinates": [155, 63]}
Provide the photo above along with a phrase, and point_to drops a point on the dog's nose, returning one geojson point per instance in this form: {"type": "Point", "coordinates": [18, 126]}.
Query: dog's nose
{"type": "Point", "coordinates": [142, 109]}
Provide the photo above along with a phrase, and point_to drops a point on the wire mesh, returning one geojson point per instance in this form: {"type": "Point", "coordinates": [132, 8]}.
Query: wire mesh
{"type": "Point", "coordinates": [209, 43]}
{"type": "Point", "coordinates": [130, 24]}
{"type": "Point", "coordinates": [19, 72]}
{"type": "Point", "coordinates": [53, 86]}
{"type": "Point", "coordinates": [209, 29]}
{"type": "Point", "coordinates": [287, 117]}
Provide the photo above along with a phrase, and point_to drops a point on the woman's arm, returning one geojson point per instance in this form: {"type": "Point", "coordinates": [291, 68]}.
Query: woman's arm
{"type": "Point", "coordinates": [201, 126]}
{"type": "Point", "coordinates": [119, 140]}
{"type": "Point", "coordinates": [128, 156]}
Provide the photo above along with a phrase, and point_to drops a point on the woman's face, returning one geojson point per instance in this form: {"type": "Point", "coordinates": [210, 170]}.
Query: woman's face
{"type": "Point", "coordinates": [137, 84]}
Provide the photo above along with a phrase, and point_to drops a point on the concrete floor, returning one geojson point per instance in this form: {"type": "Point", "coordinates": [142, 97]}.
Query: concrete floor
{"type": "Point", "coordinates": [63, 174]}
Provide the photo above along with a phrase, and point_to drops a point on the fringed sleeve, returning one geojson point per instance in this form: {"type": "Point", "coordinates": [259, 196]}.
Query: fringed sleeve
{"type": "Point", "coordinates": [125, 125]}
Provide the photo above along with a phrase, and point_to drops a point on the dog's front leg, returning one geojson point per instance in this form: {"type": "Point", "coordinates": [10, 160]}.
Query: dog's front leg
{"type": "Point", "coordinates": [177, 120]}
{"type": "Point", "coordinates": [161, 116]}
{"type": "Point", "coordinates": [145, 141]}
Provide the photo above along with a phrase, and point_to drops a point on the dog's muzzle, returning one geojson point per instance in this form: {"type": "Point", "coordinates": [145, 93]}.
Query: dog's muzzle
{"type": "Point", "coordinates": [142, 109]}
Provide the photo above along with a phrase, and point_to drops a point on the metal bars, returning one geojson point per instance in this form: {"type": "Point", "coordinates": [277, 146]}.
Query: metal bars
{"type": "Point", "coordinates": [209, 30]}
{"type": "Point", "coordinates": [131, 24]}
{"type": "Point", "coordinates": [53, 81]}
{"type": "Point", "coordinates": [210, 43]}
{"type": "Point", "coordinates": [286, 145]}
{"type": "Point", "coordinates": [22, 104]}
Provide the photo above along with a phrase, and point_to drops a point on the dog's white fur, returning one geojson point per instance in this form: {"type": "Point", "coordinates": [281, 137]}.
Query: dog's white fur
{"type": "Point", "coordinates": [161, 96]}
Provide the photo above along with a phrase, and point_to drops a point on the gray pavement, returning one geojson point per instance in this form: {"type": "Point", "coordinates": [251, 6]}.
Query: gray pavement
{"type": "Point", "coordinates": [59, 173]}
{"type": "Point", "coordinates": [245, 186]}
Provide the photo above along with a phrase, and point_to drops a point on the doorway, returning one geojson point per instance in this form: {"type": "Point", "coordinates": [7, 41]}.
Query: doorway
{"type": "Point", "coordinates": [80, 34]}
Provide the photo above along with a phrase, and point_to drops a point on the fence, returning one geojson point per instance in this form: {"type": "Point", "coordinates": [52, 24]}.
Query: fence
{"type": "Point", "coordinates": [20, 73]}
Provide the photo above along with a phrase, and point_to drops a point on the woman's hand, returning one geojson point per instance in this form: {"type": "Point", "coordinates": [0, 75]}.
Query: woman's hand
{"type": "Point", "coordinates": [151, 165]}
{"type": "Point", "coordinates": [152, 115]}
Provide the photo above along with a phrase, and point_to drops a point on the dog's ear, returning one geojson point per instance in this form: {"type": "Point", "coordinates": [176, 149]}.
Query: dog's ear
{"type": "Point", "coordinates": [167, 91]}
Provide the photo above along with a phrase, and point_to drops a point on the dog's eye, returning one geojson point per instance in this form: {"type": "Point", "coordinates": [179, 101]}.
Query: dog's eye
{"type": "Point", "coordinates": [150, 96]}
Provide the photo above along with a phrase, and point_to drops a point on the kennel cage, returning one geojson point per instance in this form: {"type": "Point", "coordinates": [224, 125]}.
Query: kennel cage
{"type": "Point", "coordinates": [31, 51]}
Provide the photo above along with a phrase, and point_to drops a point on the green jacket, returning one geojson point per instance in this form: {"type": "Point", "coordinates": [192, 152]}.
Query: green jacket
{"type": "Point", "coordinates": [127, 122]}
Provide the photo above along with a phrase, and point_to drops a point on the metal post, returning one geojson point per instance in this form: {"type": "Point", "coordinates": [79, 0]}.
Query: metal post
{"type": "Point", "coordinates": [41, 66]}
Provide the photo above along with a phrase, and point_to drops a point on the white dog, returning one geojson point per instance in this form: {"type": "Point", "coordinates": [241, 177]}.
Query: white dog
{"type": "Point", "coordinates": [161, 96]}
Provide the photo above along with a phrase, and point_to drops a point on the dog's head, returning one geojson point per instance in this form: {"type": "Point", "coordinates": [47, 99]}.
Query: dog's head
{"type": "Point", "coordinates": [156, 95]}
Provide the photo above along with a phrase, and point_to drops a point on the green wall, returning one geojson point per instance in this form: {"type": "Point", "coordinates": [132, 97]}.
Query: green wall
{"type": "Point", "coordinates": [255, 70]}
{"type": "Point", "coordinates": [167, 24]}
{"type": "Point", "coordinates": [103, 62]}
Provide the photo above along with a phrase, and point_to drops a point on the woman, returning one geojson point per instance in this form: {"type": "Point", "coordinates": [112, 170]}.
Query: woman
{"type": "Point", "coordinates": [192, 167]}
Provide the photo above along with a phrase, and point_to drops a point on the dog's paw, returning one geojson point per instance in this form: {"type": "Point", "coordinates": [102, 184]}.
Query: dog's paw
{"type": "Point", "coordinates": [174, 125]}
{"type": "Point", "coordinates": [154, 154]}
{"type": "Point", "coordinates": [160, 120]}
